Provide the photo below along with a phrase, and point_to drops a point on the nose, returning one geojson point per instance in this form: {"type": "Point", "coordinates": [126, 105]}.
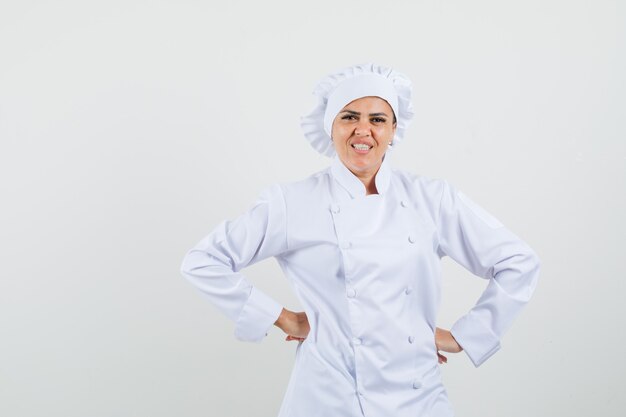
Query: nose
{"type": "Point", "coordinates": [362, 129]}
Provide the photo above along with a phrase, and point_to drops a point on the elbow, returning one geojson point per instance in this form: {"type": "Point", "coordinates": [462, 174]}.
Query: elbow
{"type": "Point", "coordinates": [199, 264]}
{"type": "Point", "coordinates": [526, 262]}
{"type": "Point", "coordinates": [194, 268]}
{"type": "Point", "coordinates": [532, 266]}
{"type": "Point", "coordinates": [185, 268]}
{"type": "Point", "coordinates": [517, 276]}
{"type": "Point", "coordinates": [189, 264]}
{"type": "Point", "coordinates": [535, 262]}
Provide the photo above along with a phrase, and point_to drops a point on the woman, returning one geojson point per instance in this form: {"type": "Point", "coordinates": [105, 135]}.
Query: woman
{"type": "Point", "coordinates": [361, 244]}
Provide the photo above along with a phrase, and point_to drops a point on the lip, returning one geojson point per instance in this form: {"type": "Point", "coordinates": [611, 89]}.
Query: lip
{"type": "Point", "coordinates": [361, 142]}
{"type": "Point", "coordinates": [360, 152]}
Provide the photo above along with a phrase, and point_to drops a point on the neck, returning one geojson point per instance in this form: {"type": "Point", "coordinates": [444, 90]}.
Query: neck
{"type": "Point", "coordinates": [369, 181]}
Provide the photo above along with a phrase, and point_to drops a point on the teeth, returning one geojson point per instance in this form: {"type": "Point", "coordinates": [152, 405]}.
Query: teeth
{"type": "Point", "coordinates": [361, 146]}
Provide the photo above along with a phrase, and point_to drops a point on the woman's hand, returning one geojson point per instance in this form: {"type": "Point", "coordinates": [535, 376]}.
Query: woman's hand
{"type": "Point", "coordinates": [446, 342]}
{"type": "Point", "coordinates": [296, 325]}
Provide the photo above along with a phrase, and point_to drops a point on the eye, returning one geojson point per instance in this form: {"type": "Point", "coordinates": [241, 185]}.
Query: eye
{"type": "Point", "coordinates": [348, 117]}
{"type": "Point", "coordinates": [378, 120]}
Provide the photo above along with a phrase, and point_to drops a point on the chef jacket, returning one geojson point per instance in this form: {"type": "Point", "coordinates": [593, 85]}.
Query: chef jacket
{"type": "Point", "coordinates": [366, 269]}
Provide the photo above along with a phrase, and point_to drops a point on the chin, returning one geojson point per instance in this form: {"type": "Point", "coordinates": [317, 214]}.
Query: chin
{"type": "Point", "coordinates": [361, 164]}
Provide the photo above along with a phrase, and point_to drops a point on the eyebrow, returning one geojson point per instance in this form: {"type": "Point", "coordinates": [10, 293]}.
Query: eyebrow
{"type": "Point", "coordinates": [356, 113]}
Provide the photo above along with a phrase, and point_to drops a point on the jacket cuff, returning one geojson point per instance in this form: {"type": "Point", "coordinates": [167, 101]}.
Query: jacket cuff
{"type": "Point", "coordinates": [257, 317]}
{"type": "Point", "coordinates": [476, 339]}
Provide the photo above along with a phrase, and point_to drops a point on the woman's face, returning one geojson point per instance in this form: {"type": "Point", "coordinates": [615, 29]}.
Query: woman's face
{"type": "Point", "coordinates": [361, 134]}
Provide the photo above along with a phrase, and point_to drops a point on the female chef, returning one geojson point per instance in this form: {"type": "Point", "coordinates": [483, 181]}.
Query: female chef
{"type": "Point", "coordinates": [361, 243]}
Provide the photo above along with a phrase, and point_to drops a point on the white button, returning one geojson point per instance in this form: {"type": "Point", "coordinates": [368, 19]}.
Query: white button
{"type": "Point", "coordinates": [356, 341]}
{"type": "Point", "coordinates": [351, 293]}
{"type": "Point", "coordinates": [361, 393]}
{"type": "Point", "coordinates": [334, 208]}
{"type": "Point", "coordinates": [411, 339]}
{"type": "Point", "coordinates": [411, 239]}
{"type": "Point", "coordinates": [345, 245]}
{"type": "Point", "coordinates": [417, 384]}
{"type": "Point", "coordinates": [403, 203]}
{"type": "Point", "coordinates": [408, 290]}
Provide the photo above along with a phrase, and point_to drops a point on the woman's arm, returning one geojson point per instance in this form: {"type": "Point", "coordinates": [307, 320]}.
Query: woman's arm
{"type": "Point", "coordinates": [213, 264]}
{"type": "Point", "coordinates": [481, 244]}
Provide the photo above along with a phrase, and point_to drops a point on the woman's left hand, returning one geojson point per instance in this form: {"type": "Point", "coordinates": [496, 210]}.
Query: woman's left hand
{"type": "Point", "coordinates": [445, 342]}
{"type": "Point", "coordinates": [296, 325]}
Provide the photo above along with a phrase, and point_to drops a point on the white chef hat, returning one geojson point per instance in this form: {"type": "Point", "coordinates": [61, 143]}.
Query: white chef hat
{"type": "Point", "coordinates": [344, 86]}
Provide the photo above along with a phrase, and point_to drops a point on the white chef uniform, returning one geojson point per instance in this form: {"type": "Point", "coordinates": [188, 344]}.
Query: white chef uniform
{"type": "Point", "coordinates": [366, 269]}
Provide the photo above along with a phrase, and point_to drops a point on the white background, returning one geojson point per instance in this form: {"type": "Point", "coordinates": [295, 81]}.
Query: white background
{"type": "Point", "coordinates": [129, 129]}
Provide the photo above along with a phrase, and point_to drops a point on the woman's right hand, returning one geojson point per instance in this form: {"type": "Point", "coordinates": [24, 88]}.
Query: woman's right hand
{"type": "Point", "coordinates": [296, 325]}
{"type": "Point", "coordinates": [446, 342]}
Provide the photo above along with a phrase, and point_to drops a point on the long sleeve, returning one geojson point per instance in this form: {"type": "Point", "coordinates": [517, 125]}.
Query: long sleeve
{"type": "Point", "coordinates": [482, 245]}
{"type": "Point", "coordinates": [214, 263]}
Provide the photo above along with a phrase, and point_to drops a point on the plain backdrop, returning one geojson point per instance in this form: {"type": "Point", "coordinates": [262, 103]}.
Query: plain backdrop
{"type": "Point", "coordinates": [130, 129]}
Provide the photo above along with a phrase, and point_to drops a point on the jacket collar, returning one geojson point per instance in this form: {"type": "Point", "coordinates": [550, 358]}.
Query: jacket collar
{"type": "Point", "coordinates": [353, 184]}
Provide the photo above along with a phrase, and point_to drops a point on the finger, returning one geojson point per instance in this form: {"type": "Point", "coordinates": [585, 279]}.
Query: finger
{"type": "Point", "coordinates": [289, 338]}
